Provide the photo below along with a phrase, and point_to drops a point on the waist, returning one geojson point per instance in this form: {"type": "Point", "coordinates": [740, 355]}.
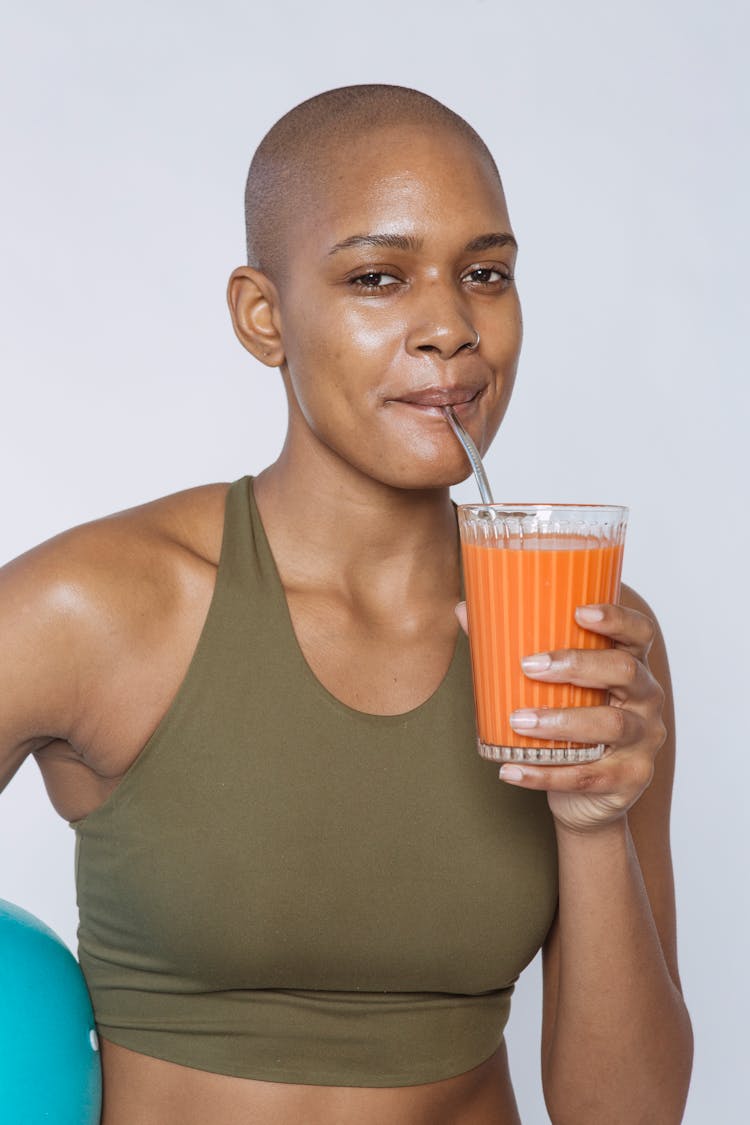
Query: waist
{"type": "Point", "coordinates": [162, 1093]}
{"type": "Point", "coordinates": [316, 1038]}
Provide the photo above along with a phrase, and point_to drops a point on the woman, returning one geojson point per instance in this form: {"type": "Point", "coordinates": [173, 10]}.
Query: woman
{"type": "Point", "coordinates": [303, 896]}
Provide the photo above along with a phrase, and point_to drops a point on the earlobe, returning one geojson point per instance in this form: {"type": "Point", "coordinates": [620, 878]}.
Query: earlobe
{"type": "Point", "coordinates": [253, 304]}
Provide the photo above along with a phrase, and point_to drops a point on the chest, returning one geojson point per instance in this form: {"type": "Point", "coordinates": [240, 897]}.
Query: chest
{"type": "Point", "coordinates": [387, 664]}
{"type": "Point", "coordinates": [271, 838]}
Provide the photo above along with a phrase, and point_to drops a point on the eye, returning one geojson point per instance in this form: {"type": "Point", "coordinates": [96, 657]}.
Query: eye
{"type": "Point", "coordinates": [374, 279]}
{"type": "Point", "coordinates": [489, 275]}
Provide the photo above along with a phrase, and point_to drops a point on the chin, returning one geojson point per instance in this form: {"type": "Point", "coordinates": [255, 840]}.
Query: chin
{"type": "Point", "coordinates": [420, 478]}
{"type": "Point", "coordinates": [412, 466]}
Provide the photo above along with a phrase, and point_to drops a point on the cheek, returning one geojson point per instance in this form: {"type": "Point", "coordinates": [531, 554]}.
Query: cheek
{"type": "Point", "coordinates": [505, 362]}
{"type": "Point", "coordinates": [511, 331]}
{"type": "Point", "coordinates": [341, 355]}
{"type": "Point", "coordinates": [370, 336]}
{"type": "Point", "coordinates": [325, 381]}
{"type": "Point", "coordinates": [509, 338]}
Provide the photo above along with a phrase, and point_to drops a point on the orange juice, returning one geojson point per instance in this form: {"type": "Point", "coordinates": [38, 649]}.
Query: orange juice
{"type": "Point", "coordinates": [522, 592]}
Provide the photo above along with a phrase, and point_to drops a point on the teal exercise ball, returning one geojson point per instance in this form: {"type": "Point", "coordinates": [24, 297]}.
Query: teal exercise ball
{"type": "Point", "coordinates": [50, 1072]}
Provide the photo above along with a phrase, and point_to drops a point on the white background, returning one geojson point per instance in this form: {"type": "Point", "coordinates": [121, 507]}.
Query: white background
{"type": "Point", "coordinates": [621, 131]}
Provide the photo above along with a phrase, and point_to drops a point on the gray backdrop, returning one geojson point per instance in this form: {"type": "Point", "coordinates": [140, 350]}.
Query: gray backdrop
{"type": "Point", "coordinates": [621, 130]}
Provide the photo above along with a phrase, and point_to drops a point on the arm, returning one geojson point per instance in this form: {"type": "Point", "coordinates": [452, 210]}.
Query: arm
{"type": "Point", "coordinates": [38, 677]}
{"type": "Point", "coordinates": [92, 620]}
{"type": "Point", "coordinates": [616, 1040]}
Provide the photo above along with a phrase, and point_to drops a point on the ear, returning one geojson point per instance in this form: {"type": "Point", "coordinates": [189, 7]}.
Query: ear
{"type": "Point", "coordinates": [254, 305]}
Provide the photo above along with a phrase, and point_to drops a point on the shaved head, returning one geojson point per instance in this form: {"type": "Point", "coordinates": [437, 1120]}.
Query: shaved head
{"type": "Point", "coordinates": [294, 159]}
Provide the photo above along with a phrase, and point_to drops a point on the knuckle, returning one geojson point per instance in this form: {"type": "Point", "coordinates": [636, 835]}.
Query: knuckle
{"type": "Point", "coordinates": [628, 667]}
{"type": "Point", "coordinates": [618, 723]}
{"type": "Point", "coordinates": [585, 780]}
{"type": "Point", "coordinates": [621, 616]}
{"type": "Point", "coordinates": [659, 694]}
{"type": "Point", "coordinates": [649, 630]}
{"type": "Point", "coordinates": [642, 771]}
{"type": "Point", "coordinates": [659, 734]}
{"type": "Point", "coordinates": [571, 659]}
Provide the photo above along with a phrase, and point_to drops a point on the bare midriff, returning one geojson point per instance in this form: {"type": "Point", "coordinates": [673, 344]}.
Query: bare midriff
{"type": "Point", "coordinates": [139, 1090]}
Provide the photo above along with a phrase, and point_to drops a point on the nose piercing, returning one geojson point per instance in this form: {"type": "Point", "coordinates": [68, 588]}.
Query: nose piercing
{"type": "Point", "coordinates": [473, 347]}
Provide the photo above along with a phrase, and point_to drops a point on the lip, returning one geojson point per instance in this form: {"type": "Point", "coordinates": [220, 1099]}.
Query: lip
{"type": "Point", "coordinates": [433, 398]}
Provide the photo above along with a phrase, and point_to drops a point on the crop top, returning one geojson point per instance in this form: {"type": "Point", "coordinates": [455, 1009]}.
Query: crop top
{"type": "Point", "coordinates": [284, 888]}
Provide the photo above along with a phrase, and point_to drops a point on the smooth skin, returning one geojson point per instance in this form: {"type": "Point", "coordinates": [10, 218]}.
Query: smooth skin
{"type": "Point", "coordinates": [97, 629]}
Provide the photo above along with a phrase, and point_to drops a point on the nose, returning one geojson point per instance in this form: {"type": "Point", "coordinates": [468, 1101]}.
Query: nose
{"type": "Point", "coordinates": [440, 324]}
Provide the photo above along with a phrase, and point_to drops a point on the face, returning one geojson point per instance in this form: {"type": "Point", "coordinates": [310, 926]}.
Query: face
{"type": "Point", "coordinates": [403, 256]}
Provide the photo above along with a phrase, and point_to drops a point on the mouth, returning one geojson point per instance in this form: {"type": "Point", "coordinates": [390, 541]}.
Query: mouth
{"type": "Point", "coordinates": [431, 400]}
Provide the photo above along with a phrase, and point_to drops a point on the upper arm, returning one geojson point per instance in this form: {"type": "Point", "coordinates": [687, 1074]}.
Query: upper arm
{"type": "Point", "coordinates": [86, 618]}
{"type": "Point", "coordinates": [37, 665]}
{"type": "Point", "coordinates": [67, 608]}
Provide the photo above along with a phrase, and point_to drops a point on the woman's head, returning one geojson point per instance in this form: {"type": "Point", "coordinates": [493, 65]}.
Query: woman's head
{"type": "Point", "coordinates": [380, 247]}
{"type": "Point", "coordinates": [293, 163]}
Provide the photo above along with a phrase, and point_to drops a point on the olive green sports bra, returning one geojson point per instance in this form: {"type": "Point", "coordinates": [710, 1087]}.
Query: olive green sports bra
{"type": "Point", "coordinates": [284, 888]}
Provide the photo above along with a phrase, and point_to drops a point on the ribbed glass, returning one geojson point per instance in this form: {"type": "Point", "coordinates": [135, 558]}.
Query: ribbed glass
{"type": "Point", "coordinates": [526, 569]}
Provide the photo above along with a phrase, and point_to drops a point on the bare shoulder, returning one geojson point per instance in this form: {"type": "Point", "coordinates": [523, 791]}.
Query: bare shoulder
{"type": "Point", "coordinates": [115, 547]}
{"type": "Point", "coordinates": [88, 604]}
{"type": "Point", "coordinates": [191, 521]}
{"type": "Point", "coordinates": [633, 600]}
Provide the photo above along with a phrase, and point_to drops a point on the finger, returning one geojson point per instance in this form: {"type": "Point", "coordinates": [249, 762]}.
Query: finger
{"type": "Point", "coordinates": [615, 773]}
{"type": "Point", "coordinates": [460, 612]}
{"type": "Point", "coordinates": [609, 669]}
{"type": "Point", "coordinates": [613, 726]}
{"type": "Point", "coordinates": [626, 627]}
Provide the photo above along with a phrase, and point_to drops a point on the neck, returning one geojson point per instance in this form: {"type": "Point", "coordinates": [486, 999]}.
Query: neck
{"type": "Point", "coordinates": [364, 537]}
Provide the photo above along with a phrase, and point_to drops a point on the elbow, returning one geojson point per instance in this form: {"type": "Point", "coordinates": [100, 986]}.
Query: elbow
{"type": "Point", "coordinates": [651, 1089]}
{"type": "Point", "coordinates": [672, 1086]}
{"type": "Point", "coordinates": [683, 1066]}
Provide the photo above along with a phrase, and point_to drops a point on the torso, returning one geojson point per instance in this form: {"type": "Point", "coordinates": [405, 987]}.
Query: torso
{"type": "Point", "coordinates": [148, 1091]}
{"type": "Point", "coordinates": [376, 667]}
{"type": "Point", "coordinates": [163, 595]}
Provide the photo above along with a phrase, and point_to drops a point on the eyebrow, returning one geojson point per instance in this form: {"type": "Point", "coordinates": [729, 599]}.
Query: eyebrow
{"type": "Point", "coordinates": [488, 241]}
{"type": "Point", "coordinates": [408, 242]}
{"type": "Point", "coordinates": [389, 241]}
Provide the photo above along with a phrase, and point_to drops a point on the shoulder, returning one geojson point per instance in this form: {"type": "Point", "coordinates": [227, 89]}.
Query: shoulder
{"type": "Point", "coordinates": [121, 545]}
{"type": "Point", "coordinates": [78, 601]}
{"type": "Point", "coordinates": [657, 655]}
{"type": "Point", "coordinates": [631, 599]}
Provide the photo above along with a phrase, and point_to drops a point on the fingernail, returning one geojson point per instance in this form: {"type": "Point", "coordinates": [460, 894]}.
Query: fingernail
{"type": "Point", "coordinates": [589, 613]}
{"type": "Point", "coordinates": [539, 662]}
{"type": "Point", "coordinates": [524, 720]}
{"type": "Point", "coordinates": [511, 773]}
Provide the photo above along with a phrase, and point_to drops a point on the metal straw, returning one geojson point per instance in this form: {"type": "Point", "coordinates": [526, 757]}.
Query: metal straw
{"type": "Point", "coordinates": [471, 452]}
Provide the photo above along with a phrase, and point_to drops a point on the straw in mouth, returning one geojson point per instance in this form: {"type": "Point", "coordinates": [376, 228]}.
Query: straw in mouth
{"type": "Point", "coordinates": [471, 452]}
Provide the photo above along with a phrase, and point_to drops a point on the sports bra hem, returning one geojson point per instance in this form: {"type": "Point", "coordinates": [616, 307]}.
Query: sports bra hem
{"type": "Point", "coordinates": [286, 1075]}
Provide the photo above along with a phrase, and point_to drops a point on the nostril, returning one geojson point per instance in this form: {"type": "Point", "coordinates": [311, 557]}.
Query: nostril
{"type": "Point", "coordinates": [427, 348]}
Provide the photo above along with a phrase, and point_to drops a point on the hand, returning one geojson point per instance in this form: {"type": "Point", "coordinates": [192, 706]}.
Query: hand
{"type": "Point", "coordinates": [589, 796]}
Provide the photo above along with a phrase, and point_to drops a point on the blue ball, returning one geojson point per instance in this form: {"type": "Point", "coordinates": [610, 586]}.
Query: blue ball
{"type": "Point", "coordinates": [49, 1053]}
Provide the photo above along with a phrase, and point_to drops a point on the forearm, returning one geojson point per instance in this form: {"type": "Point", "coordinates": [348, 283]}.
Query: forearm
{"type": "Point", "coordinates": [620, 1050]}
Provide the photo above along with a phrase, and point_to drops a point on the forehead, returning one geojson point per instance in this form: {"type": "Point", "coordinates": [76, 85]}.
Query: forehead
{"type": "Point", "coordinates": [418, 180]}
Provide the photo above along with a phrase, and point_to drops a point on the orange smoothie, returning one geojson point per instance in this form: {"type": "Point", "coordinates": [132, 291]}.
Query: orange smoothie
{"type": "Point", "coordinates": [522, 601]}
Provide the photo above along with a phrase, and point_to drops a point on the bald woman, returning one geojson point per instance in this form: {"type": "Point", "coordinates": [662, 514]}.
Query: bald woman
{"type": "Point", "coordinates": [303, 896]}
